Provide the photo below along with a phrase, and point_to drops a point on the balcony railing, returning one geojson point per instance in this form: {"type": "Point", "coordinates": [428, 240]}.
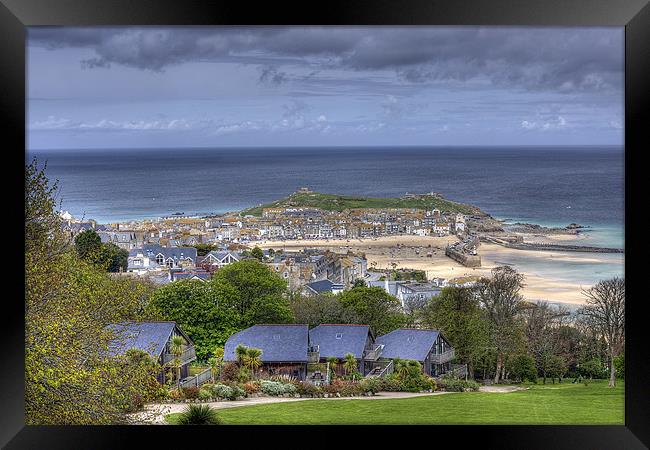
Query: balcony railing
{"type": "Point", "coordinates": [188, 355]}
{"type": "Point", "coordinates": [441, 358]}
{"type": "Point", "coordinates": [373, 355]}
{"type": "Point", "coordinates": [198, 379]}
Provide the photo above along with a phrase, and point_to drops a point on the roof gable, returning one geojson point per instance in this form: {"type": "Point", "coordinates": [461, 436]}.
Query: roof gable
{"type": "Point", "coordinates": [336, 340]}
{"type": "Point", "coordinates": [406, 343]}
{"type": "Point", "coordinates": [279, 343]}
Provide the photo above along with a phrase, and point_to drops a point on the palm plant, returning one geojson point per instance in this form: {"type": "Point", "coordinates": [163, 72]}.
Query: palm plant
{"type": "Point", "coordinates": [177, 347]}
{"type": "Point", "coordinates": [199, 415]}
{"type": "Point", "coordinates": [216, 361]}
{"type": "Point", "coordinates": [241, 351]}
{"type": "Point", "coordinates": [254, 359]}
{"type": "Point", "coordinates": [401, 367]}
{"type": "Point", "coordinates": [333, 363]}
{"type": "Point", "coordinates": [350, 363]}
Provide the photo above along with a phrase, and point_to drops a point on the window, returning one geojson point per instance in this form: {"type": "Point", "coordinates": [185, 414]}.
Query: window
{"type": "Point", "coordinates": [339, 335]}
{"type": "Point", "coordinates": [170, 262]}
{"type": "Point", "coordinates": [276, 337]}
{"type": "Point", "coordinates": [160, 259]}
{"type": "Point", "coordinates": [136, 262]}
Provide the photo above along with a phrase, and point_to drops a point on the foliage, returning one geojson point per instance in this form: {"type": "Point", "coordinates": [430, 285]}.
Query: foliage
{"type": "Point", "coordinates": [321, 308]}
{"type": "Point", "coordinates": [453, 384]}
{"type": "Point", "coordinates": [204, 249]}
{"type": "Point", "coordinates": [229, 372]}
{"type": "Point", "coordinates": [199, 415]}
{"type": "Point", "coordinates": [252, 290]}
{"type": "Point", "coordinates": [375, 307]}
{"type": "Point", "coordinates": [70, 377]}
{"type": "Point", "coordinates": [343, 388]}
{"type": "Point", "coordinates": [227, 392]}
{"type": "Point", "coordinates": [191, 392]}
{"type": "Point", "coordinates": [605, 306]}
{"type": "Point", "coordinates": [619, 363]}
{"type": "Point", "coordinates": [370, 385]}
{"type": "Point", "coordinates": [252, 387]}
{"type": "Point", "coordinates": [114, 258]}
{"type": "Point", "coordinates": [409, 375]}
{"type": "Point", "coordinates": [307, 389]}
{"type": "Point", "coordinates": [257, 253]}
{"type": "Point", "coordinates": [276, 388]}
{"type": "Point", "coordinates": [456, 312]}
{"type": "Point", "coordinates": [197, 308]}
{"type": "Point", "coordinates": [522, 368]}
{"type": "Point", "coordinates": [205, 394]}
{"type": "Point", "coordinates": [500, 296]}
{"type": "Point", "coordinates": [88, 244]}
{"type": "Point", "coordinates": [593, 368]}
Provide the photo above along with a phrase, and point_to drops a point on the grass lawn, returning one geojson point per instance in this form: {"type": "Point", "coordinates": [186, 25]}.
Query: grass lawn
{"type": "Point", "coordinates": [564, 403]}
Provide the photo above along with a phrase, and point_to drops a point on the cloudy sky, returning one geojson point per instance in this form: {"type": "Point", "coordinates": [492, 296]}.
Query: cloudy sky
{"type": "Point", "coordinates": [317, 86]}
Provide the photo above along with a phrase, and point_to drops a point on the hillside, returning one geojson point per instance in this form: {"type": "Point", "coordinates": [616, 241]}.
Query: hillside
{"type": "Point", "coordinates": [334, 202]}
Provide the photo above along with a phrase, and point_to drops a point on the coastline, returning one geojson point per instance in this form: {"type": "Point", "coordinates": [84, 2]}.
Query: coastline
{"type": "Point", "coordinates": [539, 284]}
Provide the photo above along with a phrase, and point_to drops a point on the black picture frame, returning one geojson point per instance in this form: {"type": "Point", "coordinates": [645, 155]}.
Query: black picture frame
{"type": "Point", "coordinates": [634, 15]}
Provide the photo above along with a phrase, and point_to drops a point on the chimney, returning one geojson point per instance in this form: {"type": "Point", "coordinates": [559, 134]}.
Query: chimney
{"type": "Point", "coordinates": [386, 286]}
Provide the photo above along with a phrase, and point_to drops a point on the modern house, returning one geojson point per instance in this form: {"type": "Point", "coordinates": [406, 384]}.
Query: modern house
{"type": "Point", "coordinates": [323, 287]}
{"type": "Point", "coordinates": [337, 340]}
{"type": "Point", "coordinates": [284, 348]}
{"type": "Point", "coordinates": [154, 338]}
{"type": "Point", "coordinates": [408, 290]}
{"type": "Point", "coordinates": [218, 259]}
{"type": "Point", "coordinates": [153, 257]}
{"type": "Point", "coordinates": [428, 347]}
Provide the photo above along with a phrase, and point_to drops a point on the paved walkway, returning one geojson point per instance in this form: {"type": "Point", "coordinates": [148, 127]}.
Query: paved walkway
{"type": "Point", "coordinates": [155, 413]}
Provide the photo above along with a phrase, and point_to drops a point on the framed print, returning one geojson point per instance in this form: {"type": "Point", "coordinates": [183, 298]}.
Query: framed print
{"type": "Point", "coordinates": [329, 218]}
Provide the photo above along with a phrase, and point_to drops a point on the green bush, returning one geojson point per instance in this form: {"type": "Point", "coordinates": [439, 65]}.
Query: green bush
{"type": "Point", "coordinates": [389, 385]}
{"type": "Point", "coordinates": [199, 415]}
{"type": "Point", "coordinates": [451, 384]}
{"type": "Point", "coordinates": [619, 364]}
{"type": "Point", "coordinates": [275, 388]}
{"type": "Point", "coordinates": [370, 385]}
{"type": "Point", "coordinates": [523, 368]}
{"type": "Point", "coordinates": [222, 391]}
{"type": "Point", "coordinates": [343, 388]}
{"type": "Point", "coordinates": [593, 369]}
{"type": "Point", "coordinates": [205, 394]}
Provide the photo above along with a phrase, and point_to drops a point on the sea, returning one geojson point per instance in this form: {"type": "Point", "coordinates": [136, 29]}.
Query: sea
{"type": "Point", "coordinates": [551, 186]}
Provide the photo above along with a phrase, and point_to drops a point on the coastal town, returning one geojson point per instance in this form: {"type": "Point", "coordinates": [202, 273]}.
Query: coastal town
{"type": "Point", "coordinates": [320, 249]}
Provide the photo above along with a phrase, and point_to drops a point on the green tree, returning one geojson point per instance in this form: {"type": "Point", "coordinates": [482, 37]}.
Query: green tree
{"type": "Point", "coordinates": [619, 363]}
{"type": "Point", "coordinates": [177, 346]}
{"type": "Point", "coordinates": [216, 362]}
{"type": "Point", "coordinates": [456, 312]}
{"type": "Point", "coordinates": [500, 296]}
{"type": "Point", "coordinates": [375, 307]}
{"type": "Point", "coordinates": [523, 368]}
{"type": "Point", "coordinates": [321, 308]}
{"type": "Point", "coordinates": [359, 282]}
{"type": "Point", "coordinates": [70, 375]}
{"type": "Point", "coordinates": [555, 367]}
{"type": "Point", "coordinates": [256, 293]}
{"type": "Point", "coordinates": [333, 363]}
{"type": "Point", "coordinates": [254, 358]}
{"type": "Point", "coordinates": [88, 245]}
{"type": "Point", "coordinates": [114, 258]}
{"type": "Point", "coordinates": [200, 310]}
{"type": "Point", "coordinates": [605, 306]}
{"type": "Point", "coordinates": [257, 253]}
{"type": "Point", "coordinates": [350, 364]}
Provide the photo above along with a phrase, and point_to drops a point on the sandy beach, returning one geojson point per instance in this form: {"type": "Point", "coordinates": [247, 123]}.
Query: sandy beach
{"type": "Point", "coordinates": [540, 284]}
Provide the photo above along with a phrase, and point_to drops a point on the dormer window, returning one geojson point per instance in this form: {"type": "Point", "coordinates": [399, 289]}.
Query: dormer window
{"type": "Point", "coordinates": [160, 259]}
{"type": "Point", "coordinates": [339, 335]}
{"type": "Point", "coordinates": [276, 337]}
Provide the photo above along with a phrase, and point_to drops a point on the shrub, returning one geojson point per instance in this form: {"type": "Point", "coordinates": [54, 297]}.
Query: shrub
{"type": "Point", "coordinates": [593, 369]}
{"type": "Point", "coordinates": [205, 394]}
{"type": "Point", "coordinates": [237, 392]}
{"type": "Point", "coordinates": [451, 384]}
{"type": "Point", "coordinates": [619, 364]}
{"type": "Point", "coordinates": [243, 375]}
{"type": "Point", "coordinates": [344, 388]}
{"type": "Point", "coordinates": [309, 389]}
{"type": "Point", "coordinates": [277, 388]}
{"type": "Point", "coordinates": [199, 415]}
{"type": "Point", "coordinates": [370, 385]}
{"type": "Point", "coordinates": [283, 378]}
{"type": "Point", "coordinates": [252, 387]}
{"type": "Point", "coordinates": [429, 383]}
{"type": "Point", "coordinates": [389, 385]}
{"type": "Point", "coordinates": [222, 391]}
{"type": "Point", "coordinates": [229, 372]}
{"type": "Point", "coordinates": [176, 394]}
{"type": "Point", "coordinates": [191, 392]}
{"type": "Point", "coordinates": [523, 368]}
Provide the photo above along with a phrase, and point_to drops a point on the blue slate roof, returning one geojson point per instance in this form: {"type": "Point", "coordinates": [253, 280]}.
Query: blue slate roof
{"type": "Point", "coordinates": [148, 336]}
{"type": "Point", "coordinates": [352, 339]}
{"type": "Point", "coordinates": [168, 252]}
{"type": "Point", "coordinates": [324, 286]}
{"type": "Point", "coordinates": [407, 343]}
{"type": "Point", "coordinates": [279, 343]}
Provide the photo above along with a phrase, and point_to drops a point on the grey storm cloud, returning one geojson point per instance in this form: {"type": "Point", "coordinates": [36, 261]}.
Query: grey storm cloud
{"type": "Point", "coordinates": [563, 60]}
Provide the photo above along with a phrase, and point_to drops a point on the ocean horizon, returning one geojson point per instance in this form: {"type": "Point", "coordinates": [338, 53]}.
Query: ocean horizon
{"type": "Point", "coordinates": [550, 186]}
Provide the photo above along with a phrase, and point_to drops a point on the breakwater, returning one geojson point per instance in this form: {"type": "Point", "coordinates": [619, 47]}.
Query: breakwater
{"type": "Point", "coordinates": [560, 247]}
{"type": "Point", "coordinates": [463, 258]}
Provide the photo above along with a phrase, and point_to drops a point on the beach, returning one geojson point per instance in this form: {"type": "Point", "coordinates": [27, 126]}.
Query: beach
{"type": "Point", "coordinates": [547, 276]}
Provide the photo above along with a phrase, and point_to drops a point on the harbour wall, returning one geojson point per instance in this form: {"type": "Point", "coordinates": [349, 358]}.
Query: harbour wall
{"type": "Point", "coordinates": [464, 259]}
